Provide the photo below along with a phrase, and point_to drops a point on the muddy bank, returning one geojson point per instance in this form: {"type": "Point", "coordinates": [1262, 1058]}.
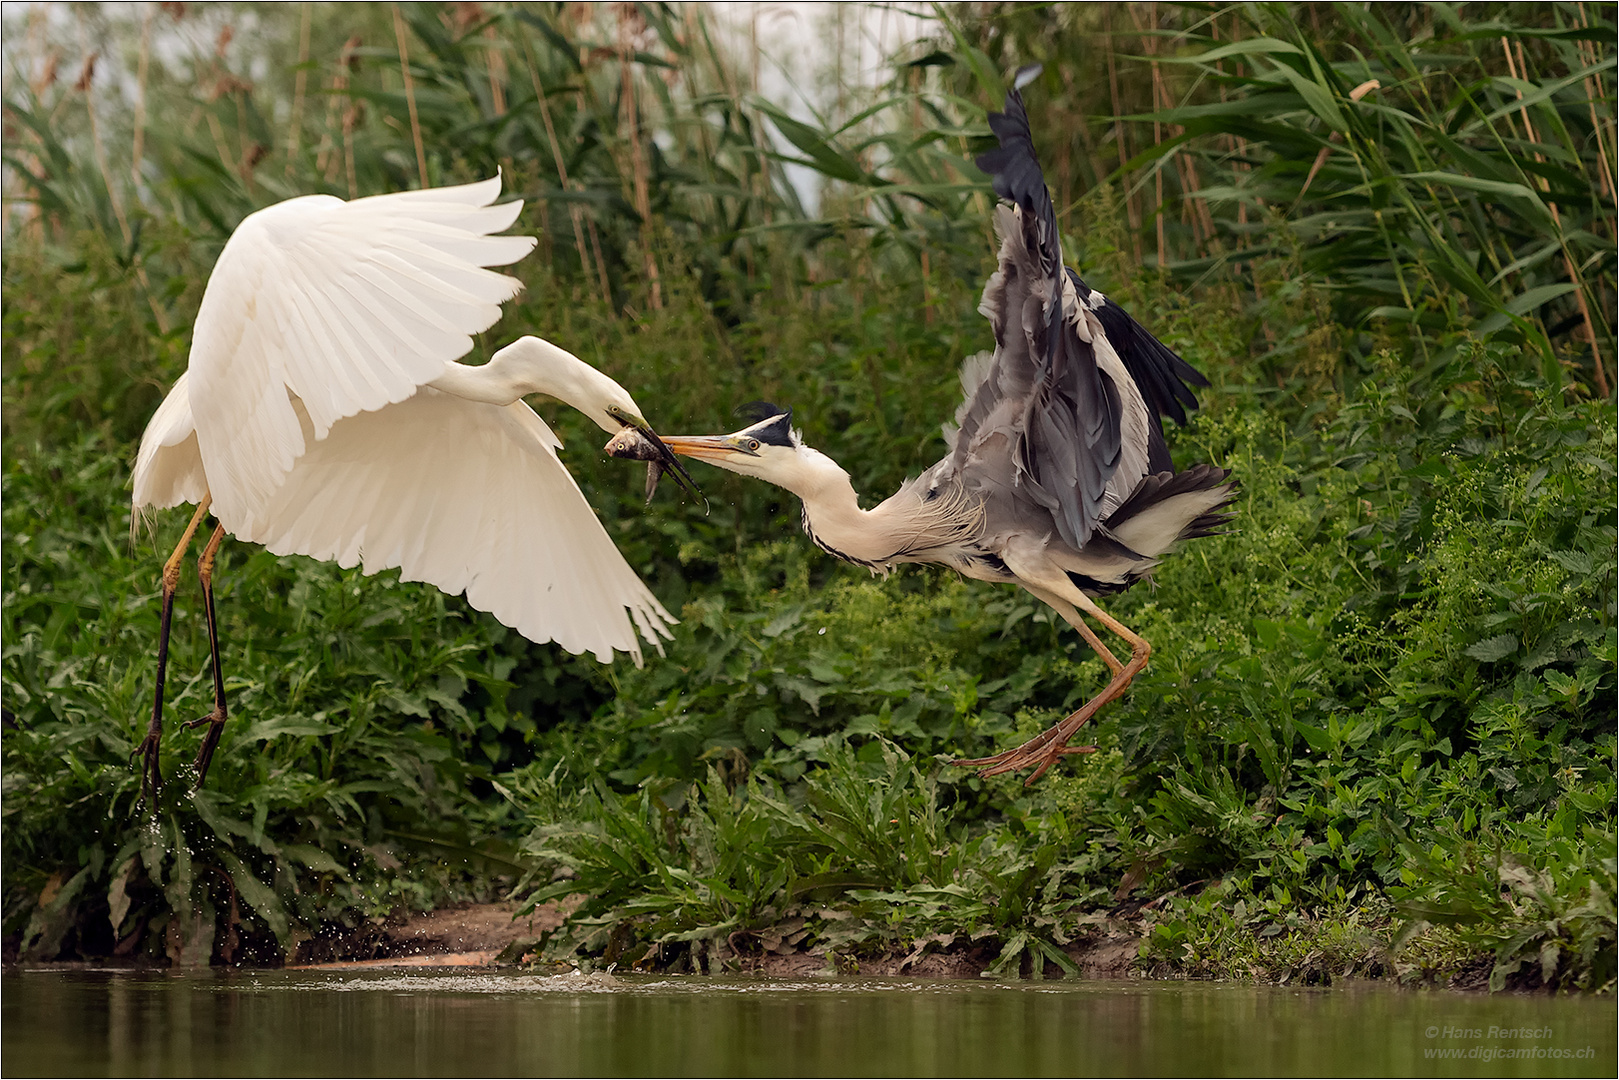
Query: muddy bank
{"type": "Point", "coordinates": [462, 935]}
{"type": "Point", "coordinates": [488, 935]}
{"type": "Point", "coordinates": [492, 936]}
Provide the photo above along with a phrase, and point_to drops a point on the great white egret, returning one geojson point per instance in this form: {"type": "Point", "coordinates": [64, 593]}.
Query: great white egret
{"type": "Point", "coordinates": [323, 413]}
{"type": "Point", "coordinates": [1058, 478]}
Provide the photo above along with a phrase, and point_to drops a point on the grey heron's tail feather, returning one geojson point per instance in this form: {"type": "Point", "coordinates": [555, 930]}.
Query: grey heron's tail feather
{"type": "Point", "coordinates": [1169, 507]}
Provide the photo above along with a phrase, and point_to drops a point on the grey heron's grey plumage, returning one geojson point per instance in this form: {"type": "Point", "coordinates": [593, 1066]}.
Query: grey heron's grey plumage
{"type": "Point", "coordinates": [1058, 477]}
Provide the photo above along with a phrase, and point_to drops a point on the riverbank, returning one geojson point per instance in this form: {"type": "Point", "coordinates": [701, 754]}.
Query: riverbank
{"type": "Point", "coordinates": [494, 937]}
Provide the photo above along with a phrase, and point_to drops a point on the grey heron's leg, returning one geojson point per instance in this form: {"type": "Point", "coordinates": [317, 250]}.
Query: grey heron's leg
{"type": "Point", "coordinates": [1072, 617]}
{"type": "Point", "coordinates": [151, 777]}
{"type": "Point", "coordinates": [1050, 746]}
{"type": "Point", "coordinates": [216, 719]}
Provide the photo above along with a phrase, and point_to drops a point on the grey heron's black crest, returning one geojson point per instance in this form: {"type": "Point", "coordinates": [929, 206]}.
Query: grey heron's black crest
{"type": "Point", "coordinates": [772, 425]}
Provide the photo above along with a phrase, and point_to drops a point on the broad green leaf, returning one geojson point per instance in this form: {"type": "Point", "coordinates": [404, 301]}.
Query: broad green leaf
{"type": "Point", "coordinates": [1526, 302]}
{"type": "Point", "coordinates": [1259, 46]}
{"type": "Point", "coordinates": [822, 155]}
{"type": "Point", "coordinates": [1492, 649]}
{"type": "Point", "coordinates": [314, 858]}
{"type": "Point", "coordinates": [260, 897]}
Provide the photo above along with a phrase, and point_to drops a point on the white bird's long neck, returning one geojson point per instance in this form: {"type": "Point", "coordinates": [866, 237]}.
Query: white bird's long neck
{"type": "Point", "coordinates": [531, 365]}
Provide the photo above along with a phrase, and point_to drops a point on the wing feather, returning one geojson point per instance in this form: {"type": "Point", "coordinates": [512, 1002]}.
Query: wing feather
{"type": "Point", "coordinates": [349, 307]}
{"type": "Point", "coordinates": [499, 519]}
{"type": "Point", "coordinates": [1165, 380]}
{"type": "Point", "coordinates": [1079, 397]}
{"type": "Point", "coordinates": [168, 467]}
{"type": "Point", "coordinates": [1066, 434]}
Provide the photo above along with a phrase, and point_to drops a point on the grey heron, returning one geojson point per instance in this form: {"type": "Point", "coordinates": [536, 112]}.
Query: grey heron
{"type": "Point", "coordinates": [324, 413]}
{"type": "Point", "coordinates": [1058, 478]}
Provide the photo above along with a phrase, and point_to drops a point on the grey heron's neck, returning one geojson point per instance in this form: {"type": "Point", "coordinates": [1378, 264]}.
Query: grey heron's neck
{"type": "Point", "coordinates": [895, 530]}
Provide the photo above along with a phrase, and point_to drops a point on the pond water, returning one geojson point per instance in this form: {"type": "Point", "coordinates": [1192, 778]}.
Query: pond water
{"type": "Point", "coordinates": [354, 1023]}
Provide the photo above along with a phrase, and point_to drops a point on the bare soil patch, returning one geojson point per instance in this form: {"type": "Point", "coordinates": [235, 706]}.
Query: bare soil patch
{"type": "Point", "coordinates": [487, 935]}
{"type": "Point", "coordinates": [463, 935]}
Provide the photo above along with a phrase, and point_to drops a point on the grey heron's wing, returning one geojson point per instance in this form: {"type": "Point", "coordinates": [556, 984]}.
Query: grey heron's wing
{"type": "Point", "coordinates": [1066, 433]}
{"type": "Point", "coordinates": [1158, 371]}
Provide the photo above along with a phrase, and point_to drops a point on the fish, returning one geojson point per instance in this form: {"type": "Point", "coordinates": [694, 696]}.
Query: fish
{"type": "Point", "coordinates": [636, 445]}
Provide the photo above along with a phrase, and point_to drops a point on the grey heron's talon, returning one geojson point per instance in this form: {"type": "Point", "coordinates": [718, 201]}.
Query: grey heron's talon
{"type": "Point", "coordinates": [1039, 753]}
{"type": "Point", "coordinates": [975, 763]}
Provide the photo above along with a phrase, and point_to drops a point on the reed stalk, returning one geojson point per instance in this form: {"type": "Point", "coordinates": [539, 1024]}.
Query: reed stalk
{"type": "Point", "coordinates": [1122, 144]}
{"type": "Point", "coordinates": [1520, 72]}
{"type": "Point", "coordinates": [638, 168]}
{"type": "Point", "coordinates": [410, 95]}
{"type": "Point", "coordinates": [295, 125]}
{"type": "Point", "coordinates": [137, 151]}
{"type": "Point", "coordinates": [1148, 26]}
{"type": "Point", "coordinates": [575, 212]}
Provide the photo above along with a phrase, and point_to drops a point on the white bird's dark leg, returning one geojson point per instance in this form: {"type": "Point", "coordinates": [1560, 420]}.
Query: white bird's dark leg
{"type": "Point", "coordinates": [151, 777]}
{"type": "Point", "coordinates": [1050, 746]}
{"type": "Point", "coordinates": [216, 719]}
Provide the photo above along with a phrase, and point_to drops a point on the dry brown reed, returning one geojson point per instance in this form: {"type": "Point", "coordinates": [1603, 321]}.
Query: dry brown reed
{"type": "Point", "coordinates": [410, 94]}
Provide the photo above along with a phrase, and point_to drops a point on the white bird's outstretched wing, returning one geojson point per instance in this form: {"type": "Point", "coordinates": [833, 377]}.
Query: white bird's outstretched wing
{"type": "Point", "coordinates": [349, 305]}
{"type": "Point", "coordinates": [471, 498]}
{"type": "Point", "coordinates": [168, 468]}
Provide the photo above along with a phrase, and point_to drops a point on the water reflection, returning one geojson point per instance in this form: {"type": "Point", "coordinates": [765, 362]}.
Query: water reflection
{"type": "Point", "coordinates": [457, 1023]}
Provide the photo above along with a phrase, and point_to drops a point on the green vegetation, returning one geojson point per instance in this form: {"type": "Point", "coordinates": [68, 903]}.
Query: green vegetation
{"type": "Point", "coordinates": [1377, 732]}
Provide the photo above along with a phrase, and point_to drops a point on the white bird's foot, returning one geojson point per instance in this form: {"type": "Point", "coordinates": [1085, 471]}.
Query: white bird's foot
{"type": "Point", "coordinates": [205, 753]}
{"type": "Point", "coordinates": [147, 751]}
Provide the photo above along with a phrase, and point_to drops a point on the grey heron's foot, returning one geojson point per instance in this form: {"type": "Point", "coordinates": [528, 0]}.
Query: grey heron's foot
{"type": "Point", "coordinates": [1041, 752]}
{"type": "Point", "coordinates": [210, 741]}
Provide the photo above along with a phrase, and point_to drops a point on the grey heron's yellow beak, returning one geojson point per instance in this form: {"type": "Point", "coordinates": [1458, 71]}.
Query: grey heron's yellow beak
{"type": "Point", "coordinates": [712, 448]}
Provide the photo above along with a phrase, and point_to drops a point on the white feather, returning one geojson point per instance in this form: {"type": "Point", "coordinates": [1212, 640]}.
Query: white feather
{"type": "Point", "coordinates": [1153, 531]}
{"type": "Point", "coordinates": [306, 417]}
{"type": "Point", "coordinates": [350, 307]}
{"type": "Point", "coordinates": [168, 468]}
{"type": "Point", "coordinates": [500, 519]}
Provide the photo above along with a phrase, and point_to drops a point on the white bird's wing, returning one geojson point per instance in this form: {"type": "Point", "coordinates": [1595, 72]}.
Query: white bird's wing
{"type": "Point", "coordinates": [168, 468]}
{"type": "Point", "coordinates": [350, 306]}
{"type": "Point", "coordinates": [472, 498]}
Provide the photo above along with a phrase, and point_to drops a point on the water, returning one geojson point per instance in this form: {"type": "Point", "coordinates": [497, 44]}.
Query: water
{"type": "Point", "coordinates": [296, 1023]}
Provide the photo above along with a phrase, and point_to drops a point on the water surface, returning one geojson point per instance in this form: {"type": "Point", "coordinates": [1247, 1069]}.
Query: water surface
{"type": "Point", "coordinates": [371, 1023]}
